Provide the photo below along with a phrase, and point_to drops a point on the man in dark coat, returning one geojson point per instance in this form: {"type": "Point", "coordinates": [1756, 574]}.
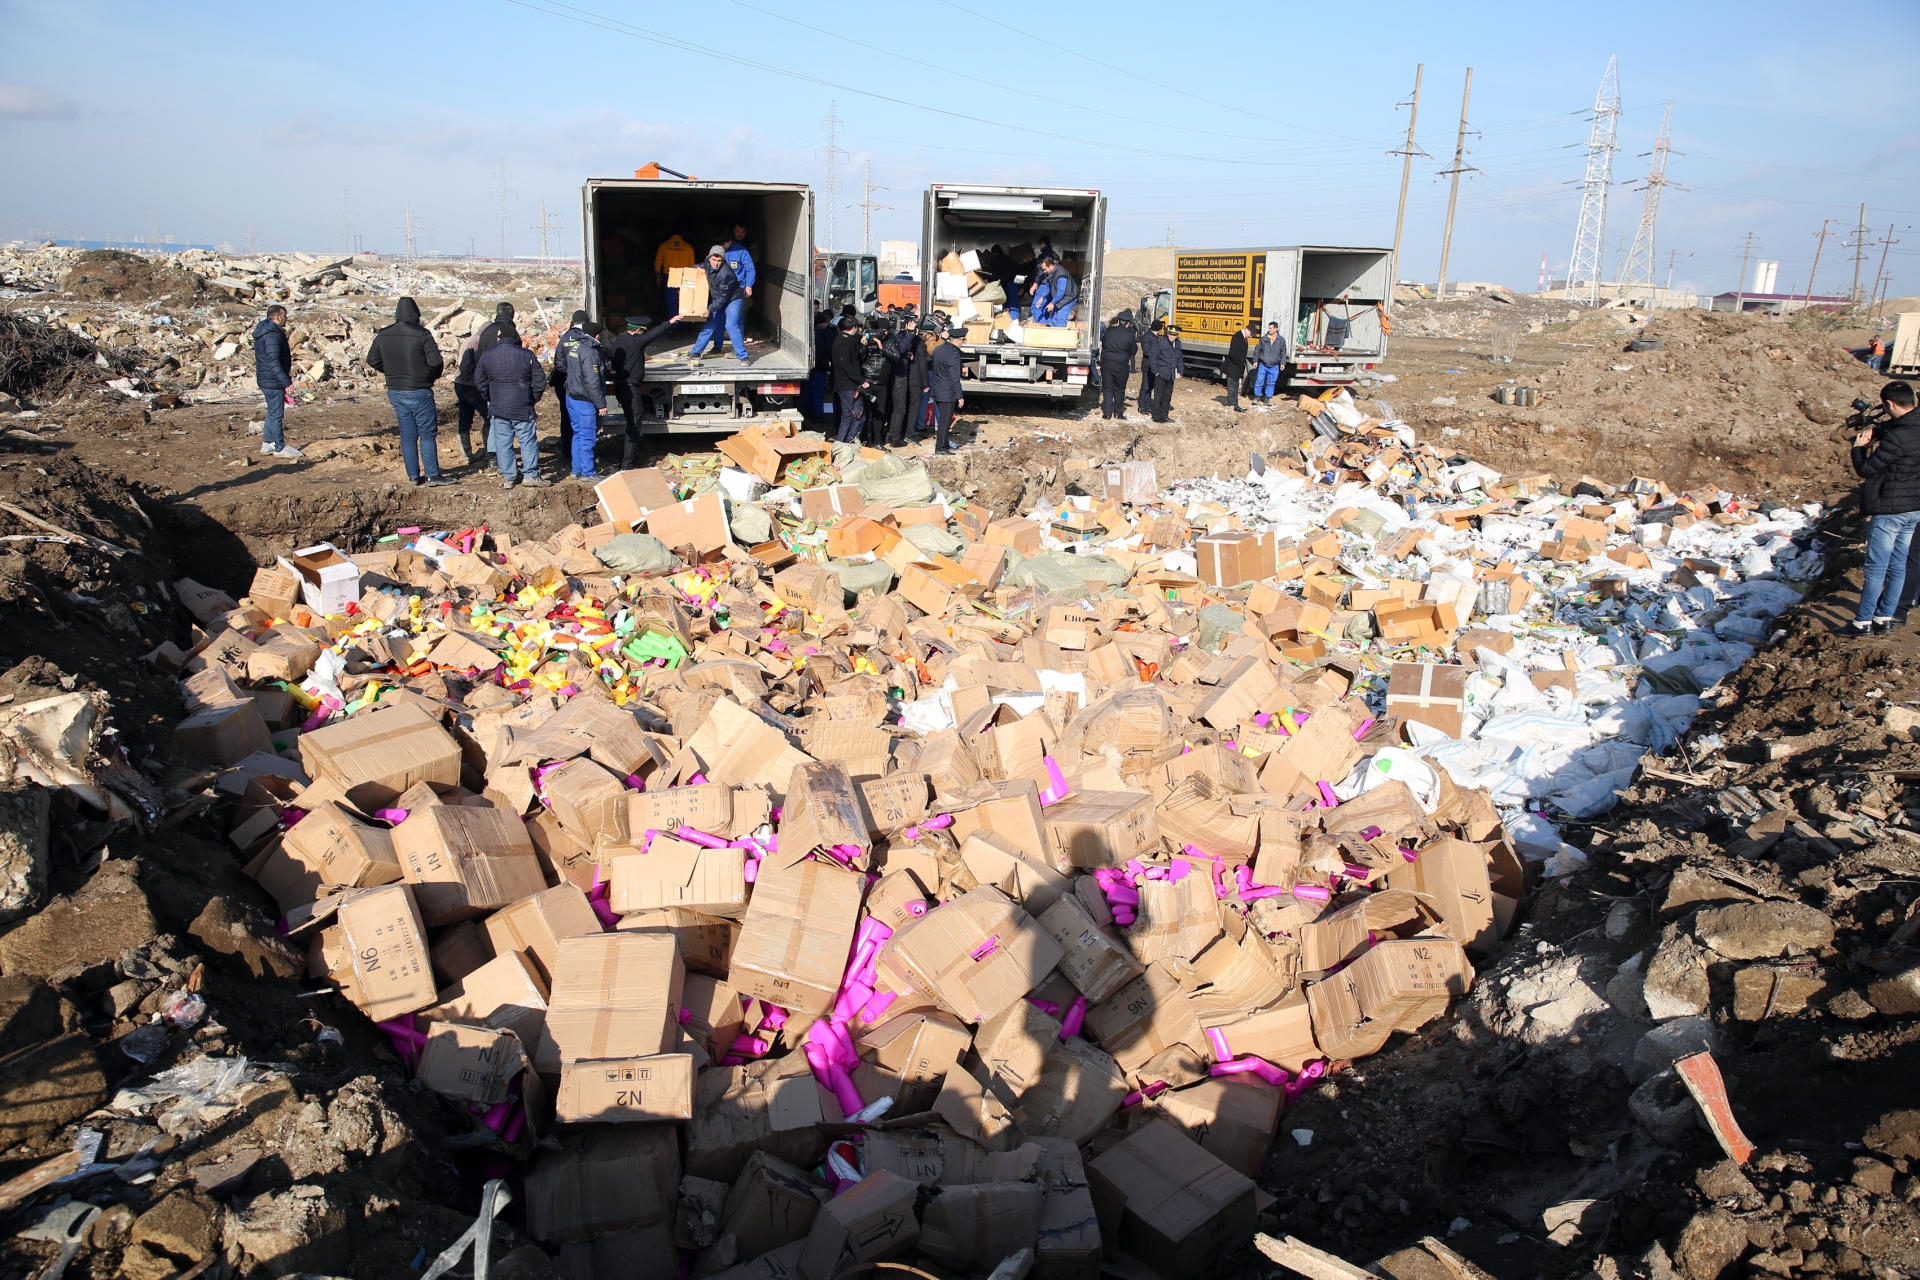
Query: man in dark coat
{"type": "Point", "coordinates": [1234, 369]}
{"type": "Point", "coordinates": [1162, 361]}
{"type": "Point", "coordinates": [466, 395]}
{"type": "Point", "coordinates": [1118, 343]}
{"type": "Point", "coordinates": [410, 359]}
{"type": "Point", "coordinates": [724, 290]}
{"type": "Point", "coordinates": [909, 356]}
{"type": "Point", "coordinates": [557, 379]}
{"type": "Point", "coordinates": [496, 328]}
{"type": "Point", "coordinates": [510, 378]}
{"type": "Point", "coordinates": [273, 371]}
{"type": "Point", "coordinates": [848, 380]}
{"type": "Point", "coordinates": [586, 392]}
{"type": "Point", "coordinates": [944, 385]}
{"type": "Point", "coordinates": [627, 361]}
{"type": "Point", "coordinates": [1887, 460]}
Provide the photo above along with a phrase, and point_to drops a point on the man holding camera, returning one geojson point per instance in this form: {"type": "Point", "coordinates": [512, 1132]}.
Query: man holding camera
{"type": "Point", "coordinates": [1886, 457]}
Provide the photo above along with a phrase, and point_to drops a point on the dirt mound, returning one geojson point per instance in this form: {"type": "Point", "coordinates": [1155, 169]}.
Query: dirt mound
{"type": "Point", "coordinates": [101, 275]}
{"type": "Point", "coordinates": [1743, 402]}
{"type": "Point", "coordinates": [44, 361]}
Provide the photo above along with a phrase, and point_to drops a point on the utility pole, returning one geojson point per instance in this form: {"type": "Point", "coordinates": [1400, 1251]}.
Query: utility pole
{"type": "Point", "coordinates": [1807, 300]}
{"type": "Point", "coordinates": [1586, 263]}
{"type": "Point", "coordinates": [346, 220]}
{"type": "Point", "coordinates": [545, 228]}
{"type": "Point", "coordinates": [408, 228]}
{"type": "Point", "coordinates": [1408, 150]}
{"type": "Point", "coordinates": [1880, 276]}
{"type": "Point", "coordinates": [251, 242]}
{"type": "Point", "coordinates": [833, 154]}
{"type": "Point", "coordinates": [1460, 166]}
{"type": "Point", "coordinates": [1672, 256]}
{"type": "Point", "coordinates": [503, 191]}
{"type": "Point", "coordinates": [866, 206]}
{"type": "Point", "coordinates": [1642, 256]}
{"type": "Point", "coordinates": [1740, 290]}
{"type": "Point", "coordinates": [1173, 233]}
{"type": "Point", "coordinates": [1859, 254]}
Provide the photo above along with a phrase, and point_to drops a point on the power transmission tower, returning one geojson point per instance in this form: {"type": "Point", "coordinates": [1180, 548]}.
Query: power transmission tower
{"type": "Point", "coordinates": [1459, 167]}
{"type": "Point", "coordinates": [1585, 263]}
{"type": "Point", "coordinates": [1173, 233]}
{"type": "Point", "coordinates": [1641, 259]}
{"type": "Point", "coordinates": [833, 154]}
{"type": "Point", "coordinates": [1807, 299]}
{"type": "Point", "coordinates": [1740, 290]}
{"type": "Point", "coordinates": [1408, 150]}
{"type": "Point", "coordinates": [1880, 276]}
{"type": "Point", "coordinates": [408, 227]}
{"type": "Point", "coordinates": [251, 241]}
{"type": "Point", "coordinates": [1673, 256]}
{"type": "Point", "coordinates": [545, 228]}
{"type": "Point", "coordinates": [503, 191]}
{"type": "Point", "coordinates": [866, 205]}
{"type": "Point", "coordinates": [1859, 254]}
{"type": "Point", "coordinates": [346, 220]}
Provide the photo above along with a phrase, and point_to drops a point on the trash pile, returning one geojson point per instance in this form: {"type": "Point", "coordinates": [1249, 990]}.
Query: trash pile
{"type": "Point", "coordinates": [182, 321]}
{"type": "Point", "coordinates": [840, 873]}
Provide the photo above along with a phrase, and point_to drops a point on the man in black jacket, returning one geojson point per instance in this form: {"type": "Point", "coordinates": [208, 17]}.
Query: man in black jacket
{"type": "Point", "coordinates": [586, 392]}
{"type": "Point", "coordinates": [511, 379]}
{"type": "Point", "coordinates": [723, 288]}
{"type": "Point", "coordinates": [409, 357]}
{"type": "Point", "coordinates": [557, 379]}
{"type": "Point", "coordinates": [1117, 347]}
{"type": "Point", "coordinates": [1887, 459]}
{"type": "Point", "coordinates": [466, 395]}
{"type": "Point", "coordinates": [627, 361]}
{"type": "Point", "coordinates": [1235, 367]}
{"type": "Point", "coordinates": [496, 328]}
{"type": "Point", "coordinates": [848, 380]}
{"type": "Point", "coordinates": [909, 356]}
{"type": "Point", "coordinates": [1162, 362]}
{"type": "Point", "coordinates": [273, 371]}
{"type": "Point", "coordinates": [876, 372]}
{"type": "Point", "coordinates": [943, 383]}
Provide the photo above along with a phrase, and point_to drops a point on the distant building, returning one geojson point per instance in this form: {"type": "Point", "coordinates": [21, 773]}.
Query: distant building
{"type": "Point", "coordinates": [1777, 304]}
{"type": "Point", "coordinates": [897, 256]}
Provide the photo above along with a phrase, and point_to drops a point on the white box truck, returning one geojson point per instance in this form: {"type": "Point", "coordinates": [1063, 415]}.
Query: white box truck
{"type": "Point", "coordinates": [987, 226]}
{"type": "Point", "coordinates": [625, 221]}
{"type": "Point", "coordinates": [1331, 303]}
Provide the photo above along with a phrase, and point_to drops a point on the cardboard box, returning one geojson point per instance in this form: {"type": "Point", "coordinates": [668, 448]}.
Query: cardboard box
{"type": "Point", "coordinates": [677, 873]}
{"type": "Point", "coordinates": [505, 993]}
{"type": "Point", "coordinates": [276, 590]}
{"type": "Point", "coordinates": [1430, 693]}
{"type": "Point", "coordinates": [772, 1203]}
{"type": "Point", "coordinates": [1080, 1089]}
{"type": "Point", "coordinates": [893, 802]}
{"type": "Point", "coordinates": [601, 1180]}
{"type": "Point", "coordinates": [972, 1228]}
{"type": "Point", "coordinates": [706, 942]}
{"type": "Point", "coordinates": [1227, 559]}
{"type": "Point", "coordinates": [329, 580]}
{"type": "Point", "coordinates": [378, 754]}
{"type": "Point", "coordinates": [700, 523]}
{"type": "Point", "coordinates": [1282, 1034]}
{"type": "Point", "coordinates": [694, 293]}
{"type": "Point", "coordinates": [224, 734]}
{"type": "Point", "coordinates": [390, 972]}
{"type": "Point", "coordinates": [737, 748]}
{"type": "Point", "coordinates": [798, 934]}
{"type": "Point", "coordinates": [627, 496]}
{"type": "Point", "coordinates": [342, 847]}
{"type": "Point", "coordinates": [471, 1064]}
{"type": "Point", "coordinates": [1101, 829]}
{"type": "Point", "coordinates": [289, 880]}
{"type": "Point", "coordinates": [976, 955]}
{"type": "Point", "coordinates": [857, 536]}
{"type": "Point", "coordinates": [828, 502]}
{"type": "Point", "coordinates": [994, 861]}
{"type": "Point", "coordinates": [589, 801]}
{"type": "Point", "coordinates": [1069, 1247]}
{"type": "Point", "coordinates": [1176, 920]}
{"type": "Point", "coordinates": [1341, 1026]}
{"type": "Point", "coordinates": [465, 860]}
{"type": "Point", "coordinates": [813, 587]}
{"type": "Point", "coordinates": [1408, 982]}
{"type": "Point", "coordinates": [907, 1056]}
{"type": "Point", "coordinates": [820, 812]}
{"type": "Point", "coordinates": [1091, 958]}
{"type": "Point", "coordinates": [767, 456]}
{"type": "Point", "coordinates": [1144, 1019]}
{"type": "Point", "coordinates": [870, 1221]}
{"type": "Point", "coordinates": [1017, 532]}
{"type": "Point", "coordinates": [1233, 1118]}
{"type": "Point", "coordinates": [1454, 876]}
{"type": "Point", "coordinates": [536, 924]}
{"type": "Point", "coordinates": [626, 1090]}
{"type": "Point", "coordinates": [1170, 1203]}
{"type": "Point", "coordinates": [773, 1105]}
{"type": "Point", "coordinates": [615, 995]}
{"type": "Point", "coordinates": [1128, 482]}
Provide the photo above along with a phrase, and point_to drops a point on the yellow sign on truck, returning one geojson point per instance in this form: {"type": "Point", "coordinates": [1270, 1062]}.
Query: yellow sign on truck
{"type": "Point", "coordinates": [1215, 293]}
{"type": "Point", "coordinates": [1329, 301]}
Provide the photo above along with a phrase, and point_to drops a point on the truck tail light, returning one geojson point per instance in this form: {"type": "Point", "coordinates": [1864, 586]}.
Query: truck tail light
{"type": "Point", "coordinates": [1081, 369]}
{"type": "Point", "coordinates": [778, 388]}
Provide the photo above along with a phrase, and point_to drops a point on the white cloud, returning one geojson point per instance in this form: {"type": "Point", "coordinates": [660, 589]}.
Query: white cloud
{"type": "Point", "coordinates": [31, 102]}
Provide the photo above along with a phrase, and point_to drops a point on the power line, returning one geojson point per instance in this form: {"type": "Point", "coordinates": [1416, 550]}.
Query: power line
{"type": "Point", "coordinates": [1822, 244]}
{"type": "Point", "coordinates": [1460, 166]}
{"type": "Point", "coordinates": [586, 18]}
{"type": "Point", "coordinates": [1859, 254]}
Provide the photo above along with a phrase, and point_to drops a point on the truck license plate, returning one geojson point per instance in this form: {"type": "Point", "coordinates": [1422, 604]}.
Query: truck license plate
{"type": "Point", "coordinates": [701, 389]}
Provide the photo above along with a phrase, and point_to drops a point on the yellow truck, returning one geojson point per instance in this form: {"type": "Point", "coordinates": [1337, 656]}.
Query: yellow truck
{"type": "Point", "coordinates": [1331, 304]}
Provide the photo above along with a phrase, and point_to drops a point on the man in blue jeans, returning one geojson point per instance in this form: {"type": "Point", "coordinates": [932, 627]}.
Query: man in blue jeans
{"type": "Point", "coordinates": [273, 371]}
{"type": "Point", "coordinates": [1887, 460]}
{"type": "Point", "coordinates": [586, 393]}
{"type": "Point", "coordinates": [510, 379]}
{"type": "Point", "coordinates": [726, 303]}
{"type": "Point", "coordinates": [409, 357]}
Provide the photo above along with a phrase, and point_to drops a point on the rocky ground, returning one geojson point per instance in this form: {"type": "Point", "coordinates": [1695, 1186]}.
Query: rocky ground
{"type": "Point", "coordinates": [1756, 894]}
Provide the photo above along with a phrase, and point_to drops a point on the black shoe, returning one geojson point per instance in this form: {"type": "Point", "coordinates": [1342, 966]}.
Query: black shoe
{"type": "Point", "coordinates": [1883, 626]}
{"type": "Point", "coordinates": [943, 453]}
{"type": "Point", "coordinates": [1857, 629]}
{"type": "Point", "coordinates": [441, 482]}
{"type": "Point", "coordinates": [417, 481]}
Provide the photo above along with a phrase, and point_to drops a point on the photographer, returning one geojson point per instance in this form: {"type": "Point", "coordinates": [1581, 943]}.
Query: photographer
{"type": "Point", "coordinates": [1886, 456]}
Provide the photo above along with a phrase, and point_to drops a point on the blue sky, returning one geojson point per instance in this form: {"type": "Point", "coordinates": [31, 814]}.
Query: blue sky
{"type": "Point", "coordinates": [1235, 124]}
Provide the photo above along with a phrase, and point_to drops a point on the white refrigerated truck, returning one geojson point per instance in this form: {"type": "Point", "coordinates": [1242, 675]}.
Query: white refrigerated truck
{"type": "Point", "coordinates": [960, 219]}
{"type": "Point", "coordinates": [624, 221]}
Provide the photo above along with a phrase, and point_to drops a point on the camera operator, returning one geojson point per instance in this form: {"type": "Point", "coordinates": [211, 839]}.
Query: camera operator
{"type": "Point", "coordinates": [1886, 457]}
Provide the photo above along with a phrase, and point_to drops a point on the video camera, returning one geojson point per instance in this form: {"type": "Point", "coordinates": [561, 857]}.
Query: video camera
{"type": "Point", "coordinates": [1866, 414]}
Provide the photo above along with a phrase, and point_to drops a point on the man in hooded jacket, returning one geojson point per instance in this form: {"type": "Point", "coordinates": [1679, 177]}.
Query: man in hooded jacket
{"type": "Point", "coordinates": [557, 379]}
{"type": "Point", "coordinates": [627, 361]}
{"type": "Point", "coordinates": [1117, 346]}
{"type": "Point", "coordinates": [273, 371]}
{"type": "Point", "coordinates": [410, 359]}
{"type": "Point", "coordinates": [586, 392]}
